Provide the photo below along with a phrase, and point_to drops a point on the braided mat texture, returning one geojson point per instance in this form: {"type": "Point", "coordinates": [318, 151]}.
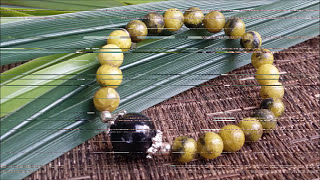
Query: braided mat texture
{"type": "Point", "coordinates": [289, 152]}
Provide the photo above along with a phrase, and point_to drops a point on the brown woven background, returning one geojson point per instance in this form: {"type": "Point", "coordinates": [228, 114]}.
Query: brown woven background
{"type": "Point", "coordinates": [289, 152]}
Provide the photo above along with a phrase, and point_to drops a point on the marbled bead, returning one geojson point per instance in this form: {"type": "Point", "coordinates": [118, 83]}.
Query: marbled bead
{"type": "Point", "coordinates": [193, 17]}
{"type": "Point", "coordinates": [210, 145]}
{"type": "Point", "coordinates": [137, 30]}
{"type": "Point", "coordinates": [121, 38]}
{"type": "Point", "coordinates": [233, 138]}
{"type": "Point", "coordinates": [154, 22]}
{"type": "Point", "coordinates": [184, 149]}
{"type": "Point", "coordinates": [276, 106]}
{"type": "Point", "coordinates": [235, 28]}
{"type": "Point", "coordinates": [251, 40]}
{"type": "Point", "coordinates": [251, 128]}
{"type": "Point", "coordinates": [261, 57]}
{"type": "Point", "coordinates": [266, 118]}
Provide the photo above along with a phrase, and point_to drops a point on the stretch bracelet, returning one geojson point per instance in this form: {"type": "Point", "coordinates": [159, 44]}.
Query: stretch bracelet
{"type": "Point", "coordinates": [136, 133]}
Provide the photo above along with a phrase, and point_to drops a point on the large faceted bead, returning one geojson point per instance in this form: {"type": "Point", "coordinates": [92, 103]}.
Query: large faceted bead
{"type": "Point", "coordinates": [132, 132]}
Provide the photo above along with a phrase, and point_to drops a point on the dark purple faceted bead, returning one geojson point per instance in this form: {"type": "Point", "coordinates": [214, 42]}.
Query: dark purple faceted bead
{"type": "Point", "coordinates": [132, 132]}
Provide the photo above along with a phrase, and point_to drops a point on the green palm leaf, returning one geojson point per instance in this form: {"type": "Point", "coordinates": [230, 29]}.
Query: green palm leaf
{"type": "Point", "coordinates": [68, 33]}
{"type": "Point", "coordinates": [70, 5]}
{"type": "Point", "coordinates": [64, 117]}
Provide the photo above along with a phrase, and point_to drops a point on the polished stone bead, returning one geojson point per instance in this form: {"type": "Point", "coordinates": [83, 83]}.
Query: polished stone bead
{"type": "Point", "coordinates": [132, 132]}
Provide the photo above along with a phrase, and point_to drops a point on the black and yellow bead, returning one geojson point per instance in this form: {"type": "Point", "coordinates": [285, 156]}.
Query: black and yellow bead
{"type": "Point", "coordinates": [154, 22]}
{"type": "Point", "coordinates": [273, 90]}
{"type": "Point", "coordinates": [251, 128]}
{"type": "Point", "coordinates": [235, 28]}
{"type": "Point", "coordinates": [261, 57]}
{"type": "Point", "coordinates": [276, 106]}
{"type": "Point", "coordinates": [137, 30]}
{"type": "Point", "coordinates": [210, 145]}
{"type": "Point", "coordinates": [251, 40]}
{"type": "Point", "coordinates": [193, 17]}
{"type": "Point", "coordinates": [233, 138]}
{"type": "Point", "coordinates": [266, 118]}
{"type": "Point", "coordinates": [173, 19]}
{"type": "Point", "coordinates": [184, 149]}
{"type": "Point", "coordinates": [214, 21]}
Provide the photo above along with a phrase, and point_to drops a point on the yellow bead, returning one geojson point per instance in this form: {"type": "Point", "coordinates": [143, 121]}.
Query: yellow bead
{"type": "Point", "coordinates": [261, 57]}
{"type": "Point", "coordinates": [233, 138]}
{"type": "Point", "coordinates": [173, 19]}
{"type": "Point", "coordinates": [111, 54]}
{"type": "Point", "coordinates": [193, 17]}
{"type": "Point", "coordinates": [274, 90]}
{"type": "Point", "coordinates": [214, 21]}
{"type": "Point", "coordinates": [108, 75]}
{"type": "Point", "coordinates": [277, 108]}
{"type": "Point", "coordinates": [267, 73]}
{"type": "Point", "coordinates": [235, 28]}
{"type": "Point", "coordinates": [251, 40]}
{"type": "Point", "coordinates": [121, 38]}
{"type": "Point", "coordinates": [106, 99]}
{"type": "Point", "coordinates": [184, 149]}
{"type": "Point", "coordinates": [251, 128]}
{"type": "Point", "coordinates": [137, 30]}
{"type": "Point", "coordinates": [210, 145]}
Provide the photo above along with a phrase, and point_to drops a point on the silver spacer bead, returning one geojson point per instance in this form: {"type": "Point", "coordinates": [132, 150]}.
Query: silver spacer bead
{"type": "Point", "coordinates": [165, 149]}
{"type": "Point", "coordinates": [158, 146]}
{"type": "Point", "coordinates": [108, 118]}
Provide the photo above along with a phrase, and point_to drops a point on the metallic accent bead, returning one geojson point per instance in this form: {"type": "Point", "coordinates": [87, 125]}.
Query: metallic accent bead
{"type": "Point", "coordinates": [156, 144]}
{"type": "Point", "coordinates": [165, 149]}
{"type": "Point", "coordinates": [108, 118]}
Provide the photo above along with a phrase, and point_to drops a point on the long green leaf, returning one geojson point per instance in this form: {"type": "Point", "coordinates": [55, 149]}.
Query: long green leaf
{"type": "Point", "coordinates": [67, 120]}
{"type": "Point", "coordinates": [70, 5]}
{"type": "Point", "coordinates": [19, 92]}
{"type": "Point", "coordinates": [10, 19]}
{"type": "Point", "coordinates": [30, 67]}
{"type": "Point", "coordinates": [7, 12]}
{"type": "Point", "coordinates": [38, 12]}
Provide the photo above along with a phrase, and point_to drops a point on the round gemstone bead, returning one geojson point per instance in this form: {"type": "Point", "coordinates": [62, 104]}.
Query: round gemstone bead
{"type": "Point", "coordinates": [273, 90]}
{"type": "Point", "coordinates": [276, 106]}
{"type": "Point", "coordinates": [251, 40]}
{"type": "Point", "coordinates": [235, 28]}
{"type": "Point", "coordinates": [251, 128]}
{"type": "Point", "coordinates": [109, 76]}
{"type": "Point", "coordinates": [266, 118]}
{"type": "Point", "coordinates": [193, 17]}
{"type": "Point", "coordinates": [184, 149]}
{"type": "Point", "coordinates": [210, 145]}
{"type": "Point", "coordinates": [214, 21]}
{"type": "Point", "coordinates": [267, 73]}
{"type": "Point", "coordinates": [233, 138]}
{"type": "Point", "coordinates": [106, 99]}
{"type": "Point", "coordinates": [132, 132]}
{"type": "Point", "coordinates": [261, 57]}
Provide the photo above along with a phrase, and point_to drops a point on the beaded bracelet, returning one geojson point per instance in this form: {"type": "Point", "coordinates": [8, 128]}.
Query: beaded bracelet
{"type": "Point", "coordinates": [135, 132]}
